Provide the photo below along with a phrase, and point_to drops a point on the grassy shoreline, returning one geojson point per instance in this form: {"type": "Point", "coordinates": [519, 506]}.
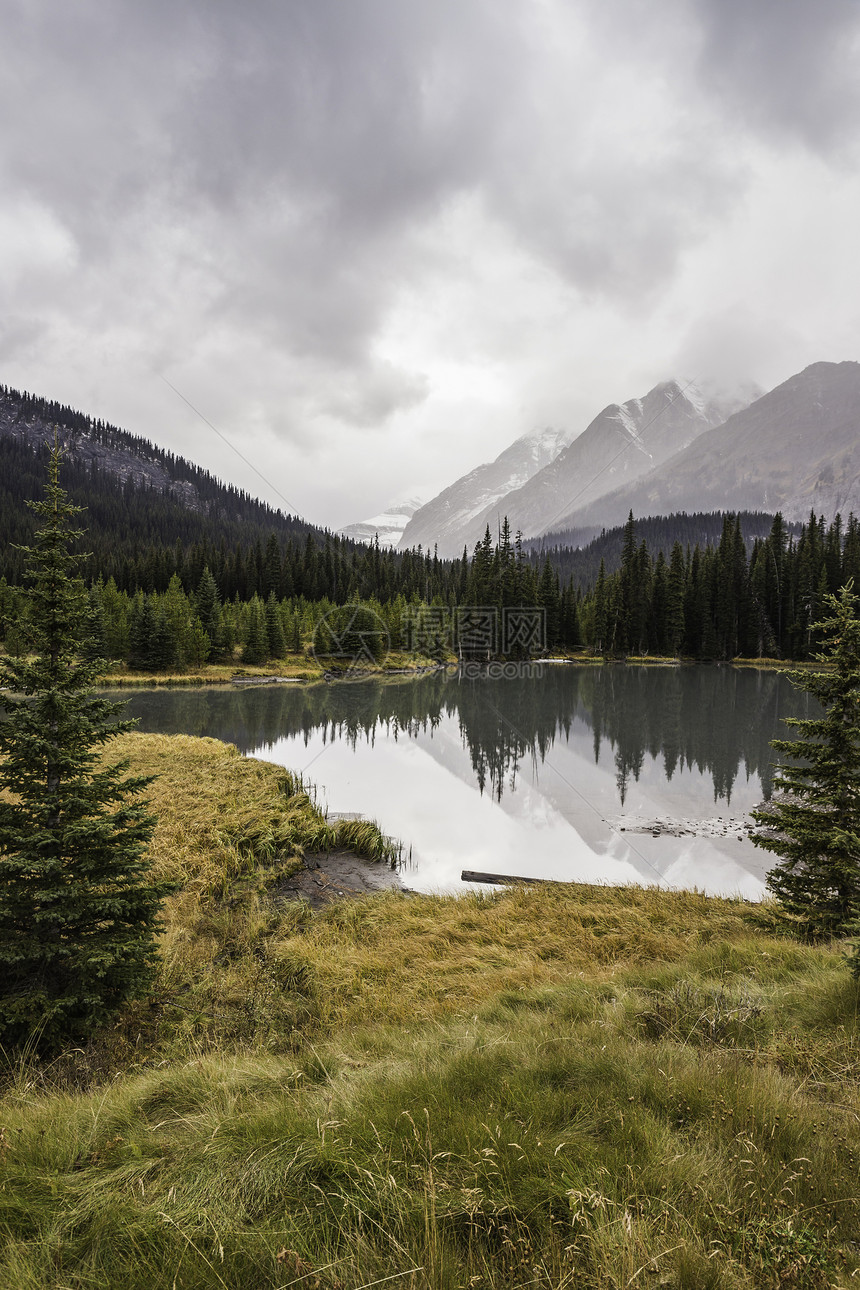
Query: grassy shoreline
{"type": "Point", "coordinates": [562, 1086]}
{"type": "Point", "coordinates": [294, 668]}
{"type": "Point", "coordinates": [301, 669]}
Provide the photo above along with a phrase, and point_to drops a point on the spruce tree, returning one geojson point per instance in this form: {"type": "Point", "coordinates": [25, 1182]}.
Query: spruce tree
{"type": "Point", "coordinates": [208, 604]}
{"type": "Point", "coordinates": [813, 824]}
{"type": "Point", "coordinates": [78, 912]}
{"type": "Point", "coordinates": [277, 645]}
{"type": "Point", "coordinates": [256, 647]}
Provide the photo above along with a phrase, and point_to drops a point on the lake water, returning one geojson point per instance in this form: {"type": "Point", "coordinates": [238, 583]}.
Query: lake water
{"type": "Point", "coordinates": [609, 773]}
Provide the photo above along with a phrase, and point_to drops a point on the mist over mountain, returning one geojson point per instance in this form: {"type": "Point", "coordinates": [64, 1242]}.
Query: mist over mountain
{"type": "Point", "coordinates": [448, 520]}
{"type": "Point", "coordinates": [793, 450]}
{"type": "Point", "coordinates": [623, 443]}
{"type": "Point", "coordinates": [388, 526]}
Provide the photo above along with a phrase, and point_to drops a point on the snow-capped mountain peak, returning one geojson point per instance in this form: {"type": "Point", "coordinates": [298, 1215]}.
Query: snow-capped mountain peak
{"type": "Point", "coordinates": [446, 517]}
{"type": "Point", "coordinates": [388, 526]}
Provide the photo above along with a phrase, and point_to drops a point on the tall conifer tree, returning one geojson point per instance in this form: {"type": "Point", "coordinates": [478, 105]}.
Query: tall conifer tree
{"type": "Point", "coordinates": [78, 912]}
{"type": "Point", "coordinates": [813, 824]}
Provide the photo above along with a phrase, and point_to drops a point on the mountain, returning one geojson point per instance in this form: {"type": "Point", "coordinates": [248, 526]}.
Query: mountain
{"type": "Point", "coordinates": [623, 443]}
{"type": "Point", "coordinates": [137, 495]}
{"type": "Point", "coordinates": [387, 526]}
{"type": "Point", "coordinates": [795, 449]}
{"type": "Point", "coordinates": [448, 519]}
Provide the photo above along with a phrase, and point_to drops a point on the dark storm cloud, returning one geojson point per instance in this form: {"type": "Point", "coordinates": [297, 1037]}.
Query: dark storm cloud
{"type": "Point", "coordinates": [306, 142]}
{"type": "Point", "coordinates": [255, 196]}
{"type": "Point", "coordinates": [786, 66]}
{"type": "Point", "coordinates": [312, 135]}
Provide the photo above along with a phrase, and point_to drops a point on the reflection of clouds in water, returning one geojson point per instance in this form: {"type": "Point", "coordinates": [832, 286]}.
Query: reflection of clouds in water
{"type": "Point", "coordinates": [522, 776]}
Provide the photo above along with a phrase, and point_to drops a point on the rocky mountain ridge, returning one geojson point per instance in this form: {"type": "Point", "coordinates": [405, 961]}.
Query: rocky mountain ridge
{"type": "Point", "coordinates": [447, 519]}
{"type": "Point", "coordinates": [794, 449]}
{"type": "Point", "coordinates": [114, 459]}
{"type": "Point", "coordinates": [624, 442]}
{"type": "Point", "coordinates": [94, 444]}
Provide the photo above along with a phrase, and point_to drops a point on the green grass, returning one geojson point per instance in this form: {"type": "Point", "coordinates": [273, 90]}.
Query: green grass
{"type": "Point", "coordinates": [566, 1087]}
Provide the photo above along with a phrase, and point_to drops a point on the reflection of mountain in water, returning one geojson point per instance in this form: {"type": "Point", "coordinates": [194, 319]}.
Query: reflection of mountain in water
{"type": "Point", "coordinates": [719, 720]}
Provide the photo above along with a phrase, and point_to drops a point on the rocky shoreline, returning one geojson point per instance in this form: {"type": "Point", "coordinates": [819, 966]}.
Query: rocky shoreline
{"type": "Point", "coordinates": [717, 826]}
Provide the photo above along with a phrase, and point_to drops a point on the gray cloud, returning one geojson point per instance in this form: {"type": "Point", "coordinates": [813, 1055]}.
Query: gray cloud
{"type": "Point", "coordinates": [243, 196]}
{"type": "Point", "coordinates": [789, 67]}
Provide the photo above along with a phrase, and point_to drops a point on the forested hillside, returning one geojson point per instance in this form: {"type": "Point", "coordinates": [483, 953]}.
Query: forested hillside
{"type": "Point", "coordinates": [578, 553]}
{"type": "Point", "coordinates": [140, 499]}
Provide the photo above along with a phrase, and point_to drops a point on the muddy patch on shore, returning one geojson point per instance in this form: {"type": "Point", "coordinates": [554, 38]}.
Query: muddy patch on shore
{"type": "Point", "coordinates": [336, 875]}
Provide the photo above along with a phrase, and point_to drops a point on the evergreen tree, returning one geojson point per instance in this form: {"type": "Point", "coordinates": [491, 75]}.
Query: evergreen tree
{"type": "Point", "coordinates": [675, 600]}
{"type": "Point", "coordinates": [163, 646]}
{"type": "Point", "coordinates": [256, 647]}
{"type": "Point", "coordinates": [813, 824]}
{"type": "Point", "coordinates": [550, 601]}
{"type": "Point", "coordinates": [600, 627]}
{"type": "Point", "coordinates": [177, 619]}
{"type": "Point", "coordinates": [199, 644]}
{"type": "Point", "coordinates": [78, 913]}
{"type": "Point", "coordinates": [115, 606]}
{"type": "Point", "coordinates": [507, 567]}
{"type": "Point", "coordinates": [628, 590]}
{"type": "Point", "coordinates": [276, 644]}
{"type": "Point", "coordinates": [272, 570]}
{"type": "Point", "coordinates": [208, 604]}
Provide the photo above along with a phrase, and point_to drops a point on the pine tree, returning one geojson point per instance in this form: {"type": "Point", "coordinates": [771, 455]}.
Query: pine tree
{"type": "Point", "coordinates": [208, 604]}
{"type": "Point", "coordinates": [600, 627]}
{"type": "Point", "coordinates": [277, 646]}
{"type": "Point", "coordinates": [550, 601]}
{"type": "Point", "coordinates": [78, 912]}
{"type": "Point", "coordinates": [675, 600]}
{"type": "Point", "coordinates": [256, 647]}
{"type": "Point", "coordinates": [813, 824]}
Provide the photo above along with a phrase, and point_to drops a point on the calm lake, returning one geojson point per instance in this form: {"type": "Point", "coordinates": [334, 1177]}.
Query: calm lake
{"type": "Point", "coordinates": [609, 774]}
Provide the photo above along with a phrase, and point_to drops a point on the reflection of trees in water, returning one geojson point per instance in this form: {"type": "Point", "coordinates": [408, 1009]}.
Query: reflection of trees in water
{"type": "Point", "coordinates": [718, 720]}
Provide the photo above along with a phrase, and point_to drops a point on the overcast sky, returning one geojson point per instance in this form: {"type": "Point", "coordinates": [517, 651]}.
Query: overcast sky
{"type": "Point", "coordinates": [371, 242]}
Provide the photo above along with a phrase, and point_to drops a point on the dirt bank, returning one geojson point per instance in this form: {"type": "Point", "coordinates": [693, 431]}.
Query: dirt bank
{"type": "Point", "coordinates": [338, 875]}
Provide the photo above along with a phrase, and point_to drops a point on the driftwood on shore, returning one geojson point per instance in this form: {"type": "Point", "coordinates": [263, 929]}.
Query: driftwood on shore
{"type": "Point", "coordinates": [265, 680]}
{"type": "Point", "coordinates": [500, 879]}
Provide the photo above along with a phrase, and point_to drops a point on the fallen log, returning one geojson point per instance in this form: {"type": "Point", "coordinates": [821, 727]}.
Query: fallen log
{"type": "Point", "coordinates": [500, 879]}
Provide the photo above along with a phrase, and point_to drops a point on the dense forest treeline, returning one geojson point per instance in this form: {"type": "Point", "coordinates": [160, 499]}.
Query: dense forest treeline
{"type": "Point", "coordinates": [577, 553]}
{"type": "Point", "coordinates": [101, 458]}
{"type": "Point", "coordinates": [716, 602]}
{"type": "Point", "coordinates": [184, 570]}
{"type": "Point", "coordinates": [151, 514]}
{"type": "Point", "coordinates": [137, 531]}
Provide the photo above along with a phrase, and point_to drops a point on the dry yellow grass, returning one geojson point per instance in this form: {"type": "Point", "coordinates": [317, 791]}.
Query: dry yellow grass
{"type": "Point", "coordinates": [401, 959]}
{"type": "Point", "coordinates": [218, 812]}
{"type": "Point", "coordinates": [237, 960]}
